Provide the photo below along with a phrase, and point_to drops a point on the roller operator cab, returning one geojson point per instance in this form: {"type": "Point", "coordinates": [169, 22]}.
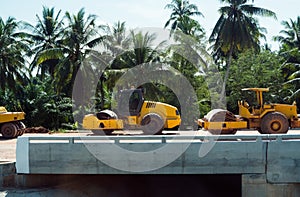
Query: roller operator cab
{"type": "Point", "coordinates": [133, 112]}
{"type": "Point", "coordinates": [265, 117]}
{"type": "Point", "coordinates": [10, 123]}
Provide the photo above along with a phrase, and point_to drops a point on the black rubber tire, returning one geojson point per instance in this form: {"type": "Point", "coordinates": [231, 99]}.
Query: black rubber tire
{"type": "Point", "coordinates": [260, 131]}
{"type": "Point", "coordinates": [9, 130]}
{"type": "Point", "coordinates": [108, 131]}
{"type": "Point", "coordinates": [20, 127]}
{"type": "Point", "coordinates": [103, 132]}
{"type": "Point", "coordinates": [23, 127]}
{"type": "Point", "coordinates": [274, 123]}
{"type": "Point", "coordinates": [223, 132]}
{"type": "Point", "coordinates": [152, 124]}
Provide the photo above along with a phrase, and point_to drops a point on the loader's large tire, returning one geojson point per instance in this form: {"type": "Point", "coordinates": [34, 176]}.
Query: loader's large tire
{"type": "Point", "coordinates": [23, 127]}
{"type": "Point", "coordinates": [152, 124]}
{"type": "Point", "coordinates": [9, 130]}
{"type": "Point", "coordinates": [20, 127]}
{"type": "Point", "coordinates": [274, 123]}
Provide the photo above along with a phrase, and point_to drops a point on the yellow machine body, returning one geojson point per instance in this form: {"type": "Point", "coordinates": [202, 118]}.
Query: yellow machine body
{"type": "Point", "coordinates": [223, 126]}
{"type": "Point", "coordinates": [266, 118]}
{"type": "Point", "coordinates": [10, 116]}
{"type": "Point", "coordinates": [90, 121]}
{"type": "Point", "coordinates": [167, 112]}
{"type": "Point", "coordinates": [134, 113]}
{"type": "Point", "coordinates": [10, 123]}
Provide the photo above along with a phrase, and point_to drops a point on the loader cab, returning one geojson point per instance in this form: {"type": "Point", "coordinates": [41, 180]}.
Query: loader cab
{"type": "Point", "coordinates": [130, 102]}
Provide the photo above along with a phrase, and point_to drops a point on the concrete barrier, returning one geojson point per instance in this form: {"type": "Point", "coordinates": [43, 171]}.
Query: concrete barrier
{"type": "Point", "coordinates": [71, 155]}
{"type": "Point", "coordinates": [283, 164]}
{"type": "Point", "coordinates": [268, 164]}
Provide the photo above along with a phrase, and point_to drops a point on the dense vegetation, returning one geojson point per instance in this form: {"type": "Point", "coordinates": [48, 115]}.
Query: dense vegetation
{"type": "Point", "coordinates": [39, 62]}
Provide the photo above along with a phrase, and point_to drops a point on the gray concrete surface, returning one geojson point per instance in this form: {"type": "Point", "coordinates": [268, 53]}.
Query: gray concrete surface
{"type": "Point", "coordinates": [257, 185]}
{"type": "Point", "coordinates": [110, 185]}
{"type": "Point", "coordinates": [75, 155]}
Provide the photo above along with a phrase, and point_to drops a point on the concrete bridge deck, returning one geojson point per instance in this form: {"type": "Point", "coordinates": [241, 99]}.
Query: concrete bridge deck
{"type": "Point", "coordinates": [266, 163]}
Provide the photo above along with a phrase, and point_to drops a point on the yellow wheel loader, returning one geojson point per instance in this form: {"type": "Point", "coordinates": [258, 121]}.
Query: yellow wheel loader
{"type": "Point", "coordinates": [133, 112]}
{"type": "Point", "coordinates": [10, 123]}
{"type": "Point", "coordinates": [266, 118]}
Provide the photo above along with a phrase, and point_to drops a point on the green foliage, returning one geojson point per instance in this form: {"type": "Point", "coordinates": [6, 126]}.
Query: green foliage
{"type": "Point", "coordinates": [45, 38]}
{"type": "Point", "coordinates": [58, 47]}
{"type": "Point", "coordinates": [59, 111]}
{"type": "Point", "coordinates": [290, 51]}
{"type": "Point", "coordinates": [41, 105]}
{"type": "Point", "coordinates": [12, 50]}
{"type": "Point", "coordinates": [237, 30]}
{"type": "Point", "coordinates": [290, 37]}
{"type": "Point", "coordinates": [255, 70]}
{"type": "Point", "coordinates": [181, 20]}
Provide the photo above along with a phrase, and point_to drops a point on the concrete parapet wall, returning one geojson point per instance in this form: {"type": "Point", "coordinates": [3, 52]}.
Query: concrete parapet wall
{"type": "Point", "coordinates": [268, 165]}
{"type": "Point", "coordinates": [283, 164]}
{"type": "Point", "coordinates": [55, 155]}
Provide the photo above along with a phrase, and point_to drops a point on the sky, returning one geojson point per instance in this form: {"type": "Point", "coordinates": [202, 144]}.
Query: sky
{"type": "Point", "coordinates": [148, 13]}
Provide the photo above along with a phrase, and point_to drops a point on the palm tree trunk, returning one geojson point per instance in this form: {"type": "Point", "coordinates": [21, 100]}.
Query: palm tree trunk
{"type": "Point", "coordinates": [228, 64]}
{"type": "Point", "coordinates": [102, 92]}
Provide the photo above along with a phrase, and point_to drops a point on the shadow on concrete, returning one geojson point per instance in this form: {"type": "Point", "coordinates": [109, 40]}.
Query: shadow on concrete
{"type": "Point", "coordinates": [136, 186]}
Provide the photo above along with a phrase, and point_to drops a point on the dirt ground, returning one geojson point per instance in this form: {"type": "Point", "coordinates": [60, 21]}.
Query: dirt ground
{"type": "Point", "coordinates": [7, 149]}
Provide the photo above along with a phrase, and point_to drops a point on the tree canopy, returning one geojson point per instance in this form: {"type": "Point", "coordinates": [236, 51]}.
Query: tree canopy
{"type": "Point", "coordinates": [39, 62]}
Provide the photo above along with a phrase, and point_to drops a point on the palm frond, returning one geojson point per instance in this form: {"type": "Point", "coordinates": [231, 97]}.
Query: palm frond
{"type": "Point", "coordinates": [49, 54]}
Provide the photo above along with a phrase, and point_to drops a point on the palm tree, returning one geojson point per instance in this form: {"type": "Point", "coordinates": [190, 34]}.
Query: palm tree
{"type": "Point", "coordinates": [293, 79]}
{"type": "Point", "coordinates": [123, 52]}
{"type": "Point", "coordinates": [236, 31]}
{"type": "Point", "coordinates": [141, 50]}
{"type": "Point", "coordinates": [290, 49]}
{"type": "Point", "coordinates": [116, 40]}
{"type": "Point", "coordinates": [192, 28]}
{"type": "Point", "coordinates": [182, 11]}
{"type": "Point", "coordinates": [46, 35]}
{"type": "Point", "coordinates": [80, 37]}
{"type": "Point", "coordinates": [291, 33]}
{"type": "Point", "coordinates": [12, 50]}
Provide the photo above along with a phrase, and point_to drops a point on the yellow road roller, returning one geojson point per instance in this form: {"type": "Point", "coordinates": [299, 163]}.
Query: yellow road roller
{"type": "Point", "coordinates": [133, 112]}
{"type": "Point", "coordinates": [267, 118]}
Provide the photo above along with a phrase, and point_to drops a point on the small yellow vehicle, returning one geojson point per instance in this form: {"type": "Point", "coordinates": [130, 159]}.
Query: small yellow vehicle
{"type": "Point", "coordinates": [134, 113]}
{"type": "Point", "coordinates": [10, 123]}
{"type": "Point", "coordinates": [266, 118]}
